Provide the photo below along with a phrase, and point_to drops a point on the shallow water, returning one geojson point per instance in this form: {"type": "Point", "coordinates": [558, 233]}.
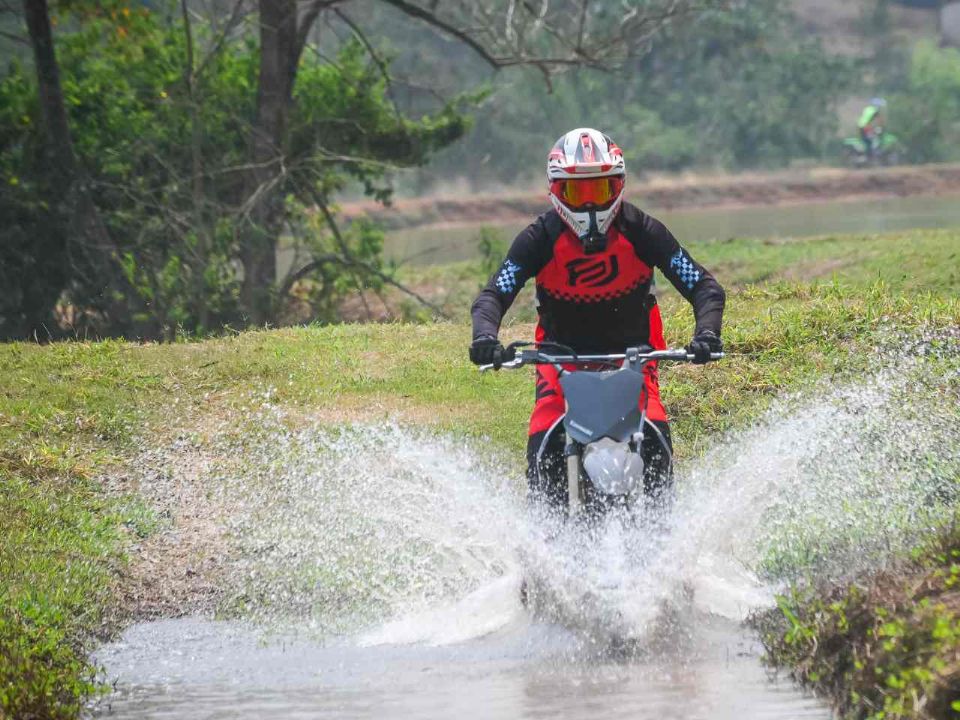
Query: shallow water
{"type": "Point", "coordinates": [198, 669]}
{"type": "Point", "coordinates": [432, 245]}
{"type": "Point", "coordinates": [379, 568]}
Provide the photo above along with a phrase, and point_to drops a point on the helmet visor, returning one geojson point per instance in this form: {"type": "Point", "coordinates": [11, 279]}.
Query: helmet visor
{"type": "Point", "coordinates": [587, 193]}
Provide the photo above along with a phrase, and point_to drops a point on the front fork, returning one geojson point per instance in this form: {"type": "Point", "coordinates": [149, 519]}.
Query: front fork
{"type": "Point", "coordinates": [572, 452]}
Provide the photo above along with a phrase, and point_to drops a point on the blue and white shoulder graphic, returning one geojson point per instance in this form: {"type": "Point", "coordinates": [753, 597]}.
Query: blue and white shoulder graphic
{"type": "Point", "coordinates": [685, 269]}
{"type": "Point", "coordinates": [508, 277]}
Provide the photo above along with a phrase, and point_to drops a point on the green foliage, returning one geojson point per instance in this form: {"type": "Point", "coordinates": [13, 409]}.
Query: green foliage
{"type": "Point", "coordinates": [493, 249]}
{"type": "Point", "coordinates": [166, 157]}
{"type": "Point", "coordinates": [925, 114]}
{"type": "Point", "coordinates": [738, 87]}
{"type": "Point", "coordinates": [41, 674]}
{"type": "Point", "coordinates": [57, 549]}
{"type": "Point", "coordinates": [885, 648]}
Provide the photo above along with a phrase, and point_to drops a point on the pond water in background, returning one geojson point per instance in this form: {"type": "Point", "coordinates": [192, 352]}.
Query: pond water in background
{"type": "Point", "coordinates": [433, 245]}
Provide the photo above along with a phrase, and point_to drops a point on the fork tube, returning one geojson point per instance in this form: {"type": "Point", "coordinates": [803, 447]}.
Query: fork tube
{"type": "Point", "coordinates": [574, 501]}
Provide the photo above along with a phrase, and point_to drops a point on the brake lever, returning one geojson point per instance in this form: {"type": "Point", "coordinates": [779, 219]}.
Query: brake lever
{"type": "Point", "coordinates": [509, 365]}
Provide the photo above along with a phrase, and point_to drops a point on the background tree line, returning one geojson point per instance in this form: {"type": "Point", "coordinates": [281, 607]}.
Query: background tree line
{"type": "Point", "coordinates": [735, 87]}
{"type": "Point", "coordinates": [173, 166]}
{"type": "Point", "coordinates": [160, 158]}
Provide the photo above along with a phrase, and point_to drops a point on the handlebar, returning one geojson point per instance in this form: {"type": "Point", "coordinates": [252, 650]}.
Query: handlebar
{"type": "Point", "coordinates": [539, 357]}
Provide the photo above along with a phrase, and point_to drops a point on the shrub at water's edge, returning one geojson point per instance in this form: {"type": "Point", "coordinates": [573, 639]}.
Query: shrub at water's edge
{"type": "Point", "coordinates": [885, 647]}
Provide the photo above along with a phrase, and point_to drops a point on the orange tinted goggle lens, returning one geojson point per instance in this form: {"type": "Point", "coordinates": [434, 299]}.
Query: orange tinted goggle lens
{"type": "Point", "coordinates": [590, 191]}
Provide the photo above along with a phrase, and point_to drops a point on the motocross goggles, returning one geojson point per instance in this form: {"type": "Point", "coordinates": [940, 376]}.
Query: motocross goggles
{"type": "Point", "coordinates": [580, 194]}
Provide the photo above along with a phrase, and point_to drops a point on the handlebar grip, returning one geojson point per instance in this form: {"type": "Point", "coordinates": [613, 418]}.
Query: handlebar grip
{"type": "Point", "coordinates": [506, 357]}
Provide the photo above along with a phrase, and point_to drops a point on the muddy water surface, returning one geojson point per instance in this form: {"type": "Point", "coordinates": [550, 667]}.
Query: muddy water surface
{"type": "Point", "coordinates": [198, 669]}
{"type": "Point", "coordinates": [428, 245]}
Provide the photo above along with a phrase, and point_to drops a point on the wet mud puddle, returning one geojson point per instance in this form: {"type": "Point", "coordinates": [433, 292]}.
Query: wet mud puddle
{"type": "Point", "coordinates": [193, 668]}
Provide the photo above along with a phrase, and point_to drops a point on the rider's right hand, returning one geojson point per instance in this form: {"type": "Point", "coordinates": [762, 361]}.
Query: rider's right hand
{"type": "Point", "coordinates": [486, 350]}
{"type": "Point", "coordinates": [703, 345]}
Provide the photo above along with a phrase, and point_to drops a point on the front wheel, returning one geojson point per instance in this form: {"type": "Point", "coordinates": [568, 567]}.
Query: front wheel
{"type": "Point", "coordinates": [891, 158]}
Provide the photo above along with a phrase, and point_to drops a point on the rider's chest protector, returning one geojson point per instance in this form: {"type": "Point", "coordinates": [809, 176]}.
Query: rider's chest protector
{"type": "Point", "coordinates": [595, 302]}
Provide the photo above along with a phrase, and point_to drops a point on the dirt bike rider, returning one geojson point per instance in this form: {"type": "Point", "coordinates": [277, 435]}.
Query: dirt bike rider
{"type": "Point", "coordinates": [593, 258]}
{"type": "Point", "coordinates": [871, 125]}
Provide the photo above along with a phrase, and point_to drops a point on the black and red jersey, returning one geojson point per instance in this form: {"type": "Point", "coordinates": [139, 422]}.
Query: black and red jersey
{"type": "Point", "coordinates": [600, 302]}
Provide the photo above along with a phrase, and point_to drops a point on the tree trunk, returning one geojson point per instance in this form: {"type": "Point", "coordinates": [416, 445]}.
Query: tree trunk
{"type": "Point", "coordinates": [52, 109]}
{"type": "Point", "coordinates": [278, 59]}
{"type": "Point", "coordinates": [198, 194]}
{"type": "Point", "coordinates": [43, 280]}
{"type": "Point", "coordinates": [82, 230]}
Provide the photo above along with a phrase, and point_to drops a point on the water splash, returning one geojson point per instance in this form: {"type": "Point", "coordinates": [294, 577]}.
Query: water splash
{"type": "Point", "coordinates": [403, 536]}
{"type": "Point", "coordinates": [403, 552]}
{"type": "Point", "coordinates": [349, 527]}
{"type": "Point", "coordinates": [395, 535]}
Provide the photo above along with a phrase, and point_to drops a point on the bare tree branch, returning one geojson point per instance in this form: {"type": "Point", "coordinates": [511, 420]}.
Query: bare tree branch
{"type": "Point", "coordinates": [15, 38]}
{"type": "Point", "coordinates": [430, 17]}
{"type": "Point", "coordinates": [236, 16]}
{"type": "Point", "coordinates": [504, 33]}
{"type": "Point", "coordinates": [333, 259]}
{"type": "Point", "coordinates": [305, 23]}
{"type": "Point", "coordinates": [346, 259]}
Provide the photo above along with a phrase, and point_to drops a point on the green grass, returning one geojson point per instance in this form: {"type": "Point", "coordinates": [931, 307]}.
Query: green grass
{"type": "Point", "coordinates": [70, 413]}
{"type": "Point", "coordinates": [917, 261]}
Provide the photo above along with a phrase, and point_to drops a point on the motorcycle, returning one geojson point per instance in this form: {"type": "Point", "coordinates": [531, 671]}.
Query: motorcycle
{"type": "Point", "coordinates": [605, 417]}
{"type": "Point", "coordinates": [889, 151]}
{"type": "Point", "coordinates": [606, 414]}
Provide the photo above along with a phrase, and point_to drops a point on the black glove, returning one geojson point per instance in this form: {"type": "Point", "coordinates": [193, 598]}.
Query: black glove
{"type": "Point", "coordinates": [486, 350]}
{"type": "Point", "coordinates": [703, 344]}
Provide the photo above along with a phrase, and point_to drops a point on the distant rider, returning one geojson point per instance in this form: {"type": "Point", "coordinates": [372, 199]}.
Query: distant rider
{"type": "Point", "coordinates": [871, 125]}
{"type": "Point", "coordinates": [593, 258]}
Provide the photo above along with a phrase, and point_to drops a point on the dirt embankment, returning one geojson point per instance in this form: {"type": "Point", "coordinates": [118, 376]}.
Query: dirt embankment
{"type": "Point", "coordinates": [677, 193]}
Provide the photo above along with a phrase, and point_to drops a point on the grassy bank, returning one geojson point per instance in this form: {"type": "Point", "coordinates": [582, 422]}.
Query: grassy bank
{"type": "Point", "coordinates": [71, 416]}
{"type": "Point", "coordinates": [887, 646]}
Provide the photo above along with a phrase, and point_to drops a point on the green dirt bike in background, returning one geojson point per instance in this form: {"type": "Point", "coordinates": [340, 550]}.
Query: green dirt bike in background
{"type": "Point", "coordinates": [888, 151]}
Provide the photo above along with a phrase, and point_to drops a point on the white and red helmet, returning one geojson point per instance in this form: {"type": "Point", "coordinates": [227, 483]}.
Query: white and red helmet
{"type": "Point", "coordinates": [586, 173]}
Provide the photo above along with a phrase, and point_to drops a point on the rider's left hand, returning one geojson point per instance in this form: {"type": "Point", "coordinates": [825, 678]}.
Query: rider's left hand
{"type": "Point", "coordinates": [704, 343]}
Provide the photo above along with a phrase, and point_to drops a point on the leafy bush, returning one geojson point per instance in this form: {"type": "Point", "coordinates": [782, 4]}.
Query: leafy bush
{"type": "Point", "coordinates": [925, 115]}
{"type": "Point", "coordinates": [59, 543]}
{"type": "Point", "coordinates": [167, 161]}
{"type": "Point", "coordinates": [42, 673]}
{"type": "Point", "coordinates": [882, 649]}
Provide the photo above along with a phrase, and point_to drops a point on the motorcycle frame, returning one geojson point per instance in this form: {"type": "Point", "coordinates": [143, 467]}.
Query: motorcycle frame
{"type": "Point", "coordinates": [573, 451]}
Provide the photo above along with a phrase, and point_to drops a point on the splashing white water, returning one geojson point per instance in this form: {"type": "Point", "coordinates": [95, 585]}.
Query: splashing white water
{"type": "Point", "coordinates": [407, 537]}
{"type": "Point", "coordinates": [404, 552]}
